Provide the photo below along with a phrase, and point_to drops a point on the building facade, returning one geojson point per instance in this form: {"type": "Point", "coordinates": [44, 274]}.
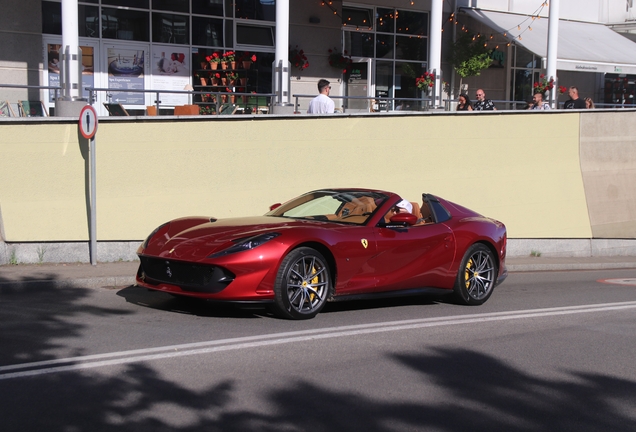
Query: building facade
{"type": "Point", "coordinates": [368, 49]}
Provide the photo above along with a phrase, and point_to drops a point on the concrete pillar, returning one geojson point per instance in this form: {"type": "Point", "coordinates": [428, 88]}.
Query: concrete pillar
{"type": "Point", "coordinates": [553, 41]}
{"type": "Point", "coordinates": [281, 76]}
{"type": "Point", "coordinates": [435, 55]}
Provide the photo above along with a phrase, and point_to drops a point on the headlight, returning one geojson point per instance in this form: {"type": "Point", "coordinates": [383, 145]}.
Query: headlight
{"type": "Point", "coordinates": [145, 243]}
{"type": "Point", "coordinates": [246, 244]}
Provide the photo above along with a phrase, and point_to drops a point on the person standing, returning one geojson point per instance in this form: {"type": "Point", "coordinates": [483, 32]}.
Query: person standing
{"type": "Point", "coordinates": [464, 103]}
{"type": "Point", "coordinates": [538, 103]}
{"type": "Point", "coordinates": [575, 102]}
{"type": "Point", "coordinates": [322, 104]}
{"type": "Point", "coordinates": [482, 103]}
{"type": "Point", "coordinates": [589, 103]}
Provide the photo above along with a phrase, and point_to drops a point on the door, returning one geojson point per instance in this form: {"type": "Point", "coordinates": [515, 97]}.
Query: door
{"type": "Point", "coordinates": [413, 257]}
{"type": "Point", "coordinates": [359, 85]}
{"type": "Point", "coordinates": [52, 46]}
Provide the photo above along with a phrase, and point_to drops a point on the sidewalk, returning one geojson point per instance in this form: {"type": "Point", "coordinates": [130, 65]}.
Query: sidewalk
{"type": "Point", "coordinates": [121, 274]}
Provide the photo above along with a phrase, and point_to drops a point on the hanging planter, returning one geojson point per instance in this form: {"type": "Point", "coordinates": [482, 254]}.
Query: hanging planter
{"type": "Point", "coordinates": [340, 61]}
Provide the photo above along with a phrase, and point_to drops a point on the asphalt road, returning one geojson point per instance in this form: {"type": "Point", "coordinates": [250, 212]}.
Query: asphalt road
{"type": "Point", "coordinates": [551, 351]}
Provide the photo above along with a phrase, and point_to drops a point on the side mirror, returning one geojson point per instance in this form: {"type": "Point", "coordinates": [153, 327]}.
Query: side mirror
{"type": "Point", "coordinates": [405, 219]}
{"type": "Point", "coordinates": [274, 206]}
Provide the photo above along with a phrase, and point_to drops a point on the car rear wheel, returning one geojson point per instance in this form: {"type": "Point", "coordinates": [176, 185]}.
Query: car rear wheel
{"type": "Point", "coordinates": [477, 276]}
{"type": "Point", "coordinates": [303, 284]}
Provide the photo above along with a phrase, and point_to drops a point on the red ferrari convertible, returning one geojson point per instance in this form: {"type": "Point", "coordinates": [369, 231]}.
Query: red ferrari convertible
{"type": "Point", "coordinates": [328, 245]}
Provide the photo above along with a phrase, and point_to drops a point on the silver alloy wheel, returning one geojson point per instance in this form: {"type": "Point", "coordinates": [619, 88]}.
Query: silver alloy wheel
{"type": "Point", "coordinates": [307, 284]}
{"type": "Point", "coordinates": [479, 274]}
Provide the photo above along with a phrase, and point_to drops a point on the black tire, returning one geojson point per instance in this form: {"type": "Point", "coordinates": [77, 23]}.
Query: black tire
{"type": "Point", "coordinates": [303, 284]}
{"type": "Point", "coordinates": [477, 276]}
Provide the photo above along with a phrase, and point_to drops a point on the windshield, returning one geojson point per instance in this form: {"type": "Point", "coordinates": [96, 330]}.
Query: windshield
{"type": "Point", "coordinates": [353, 207]}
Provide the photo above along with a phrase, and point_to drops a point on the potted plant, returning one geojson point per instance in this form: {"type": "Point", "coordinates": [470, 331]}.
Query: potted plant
{"type": "Point", "coordinates": [340, 61]}
{"type": "Point", "coordinates": [229, 57]}
{"type": "Point", "coordinates": [298, 59]}
{"type": "Point", "coordinates": [231, 77]}
{"type": "Point", "coordinates": [247, 59]}
{"type": "Point", "coordinates": [214, 60]}
{"type": "Point", "coordinates": [425, 82]}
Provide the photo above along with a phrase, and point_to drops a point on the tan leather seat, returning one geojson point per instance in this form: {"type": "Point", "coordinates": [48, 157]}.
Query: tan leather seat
{"type": "Point", "coordinates": [358, 206]}
{"type": "Point", "coordinates": [427, 215]}
{"type": "Point", "coordinates": [416, 210]}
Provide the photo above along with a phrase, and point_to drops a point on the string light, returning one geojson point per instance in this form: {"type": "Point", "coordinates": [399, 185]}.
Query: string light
{"type": "Point", "coordinates": [522, 27]}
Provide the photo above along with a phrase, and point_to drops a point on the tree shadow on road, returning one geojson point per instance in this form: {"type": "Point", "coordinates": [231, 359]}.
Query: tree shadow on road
{"type": "Point", "coordinates": [486, 393]}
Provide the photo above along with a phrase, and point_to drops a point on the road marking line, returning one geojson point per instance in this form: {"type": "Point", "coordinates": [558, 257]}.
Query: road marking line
{"type": "Point", "coordinates": [624, 281]}
{"type": "Point", "coordinates": [172, 351]}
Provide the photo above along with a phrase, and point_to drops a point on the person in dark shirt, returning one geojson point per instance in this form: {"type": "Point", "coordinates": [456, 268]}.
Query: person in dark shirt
{"type": "Point", "coordinates": [575, 102]}
{"type": "Point", "coordinates": [464, 103]}
{"type": "Point", "coordinates": [482, 103]}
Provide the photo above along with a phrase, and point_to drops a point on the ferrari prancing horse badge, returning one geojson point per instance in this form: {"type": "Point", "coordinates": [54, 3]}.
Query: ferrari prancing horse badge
{"type": "Point", "coordinates": [365, 243]}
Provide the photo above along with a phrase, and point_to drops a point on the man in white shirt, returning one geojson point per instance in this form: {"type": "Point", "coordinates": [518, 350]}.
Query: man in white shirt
{"type": "Point", "coordinates": [321, 104]}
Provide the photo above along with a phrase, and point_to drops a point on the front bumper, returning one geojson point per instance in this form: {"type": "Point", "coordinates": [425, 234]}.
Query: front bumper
{"type": "Point", "coordinates": [189, 277]}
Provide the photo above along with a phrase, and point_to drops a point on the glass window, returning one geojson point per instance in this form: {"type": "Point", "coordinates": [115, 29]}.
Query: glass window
{"type": "Point", "coordinates": [125, 24]}
{"type": "Point", "coordinates": [207, 31]}
{"type": "Point", "coordinates": [409, 22]}
{"type": "Point", "coordinates": [385, 20]}
{"type": "Point", "coordinates": [168, 28]}
{"type": "Point", "coordinates": [254, 35]}
{"type": "Point", "coordinates": [411, 48]}
{"type": "Point", "coordinates": [208, 7]}
{"type": "Point", "coordinates": [384, 83]}
{"type": "Point", "coordinates": [51, 18]}
{"type": "Point", "coordinates": [384, 46]}
{"type": "Point", "coordinates": [141, 4]}
{"type": "Point", "coordinates": [88, 20]}
{"type": "Point", "coordinates": [359, 18]}
{"type": "Point", "coordinates": [359, 44]}
{"type": "Point", "coordinates": [523, 58]}
{"type": "Point", "coordinates": [171, 5]}
{"type": "Point", "coordinates": [264, 10]}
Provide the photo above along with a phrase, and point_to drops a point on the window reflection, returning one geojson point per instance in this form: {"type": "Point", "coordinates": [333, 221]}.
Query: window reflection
{"type": "Point", "coordinates": [358, 18]}
{"type": "Point", "coordinates": [384, 46]}
{"type": "Point", "coordinates": [414, 23]}
{"type": "Point", "coordinates": [207, 31]}
{"type": "Point", "coordinates": [208, 7]}
{"type": "Point", "coordinates": [385, 20]}
{"type": "Point", "coordinates": [125, 24]}
{"type": "Point", "coordinates": [88, 19]}
{"type": "Point", "coordinates": [359, 44]}
{"type": "Point", "coordinates": [171, 5]}
{"type": "Point", "coordinates": [255, 9]}
{"type": "Point", "coordinates": [141, 4]}
{"type": "Point", "coordinates": [168, 28]}
{"type": "Point", "coordinates": [411, 48]}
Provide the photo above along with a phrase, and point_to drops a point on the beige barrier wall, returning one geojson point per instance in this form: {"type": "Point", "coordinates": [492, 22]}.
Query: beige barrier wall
{"type": "Point", "coordinates": [608, 164]}
{"type": "Point", "coordinates": [521, 168]}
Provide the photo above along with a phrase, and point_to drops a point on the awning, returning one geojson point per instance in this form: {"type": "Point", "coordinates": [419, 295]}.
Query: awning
{"type": "Point", "coordinates": [582, 46]}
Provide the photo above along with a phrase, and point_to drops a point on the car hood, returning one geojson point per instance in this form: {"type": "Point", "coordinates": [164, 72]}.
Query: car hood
{"type": "Point", "coordinates": [198, 238]}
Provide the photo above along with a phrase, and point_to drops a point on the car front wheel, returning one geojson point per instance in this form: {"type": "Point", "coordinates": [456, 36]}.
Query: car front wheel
{"type": "Point", "coordinates": [477, 276]}
{"type": "Point", "coordinates": [303, 284]}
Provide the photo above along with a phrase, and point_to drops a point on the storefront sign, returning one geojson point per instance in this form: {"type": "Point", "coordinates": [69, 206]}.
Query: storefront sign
{"type": "Point", "coordinates": [126, 71]}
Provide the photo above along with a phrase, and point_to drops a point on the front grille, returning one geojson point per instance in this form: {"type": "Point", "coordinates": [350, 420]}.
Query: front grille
{"type": "Point", "coordinates": [187, 276]}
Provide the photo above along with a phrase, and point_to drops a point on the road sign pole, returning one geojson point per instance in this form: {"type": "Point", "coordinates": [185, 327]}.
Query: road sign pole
{"type": "Point", "coordinates": [88, 128]}
{"type": "Point", "coordinates": [93, 221]}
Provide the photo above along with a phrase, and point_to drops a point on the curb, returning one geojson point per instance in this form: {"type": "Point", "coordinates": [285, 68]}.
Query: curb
{"type": "Point", "coordinates": [124, 281]}
{"type": "Point", "coordinates": [94, 282]}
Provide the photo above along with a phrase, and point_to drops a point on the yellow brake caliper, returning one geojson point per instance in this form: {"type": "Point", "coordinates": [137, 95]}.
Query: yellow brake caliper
{"type": "Point", "coordinates": [469, 265]}
{"type": "Point", "coordinates": [313, 281]}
